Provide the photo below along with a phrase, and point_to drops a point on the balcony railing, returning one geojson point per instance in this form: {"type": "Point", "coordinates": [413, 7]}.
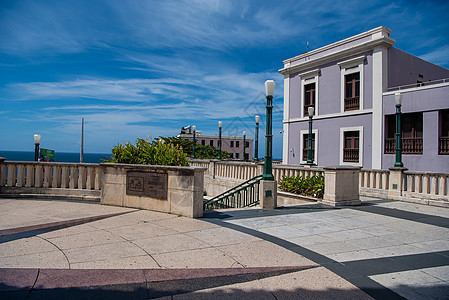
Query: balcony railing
{"type": "Point", "coordinates": [444, 145]}
{"type": "Point", "coordinates": [409, 145]}
{"type": "Point", "coordinates": [351, 155]}
{"type": "Point", "coordinates": [352, 103]}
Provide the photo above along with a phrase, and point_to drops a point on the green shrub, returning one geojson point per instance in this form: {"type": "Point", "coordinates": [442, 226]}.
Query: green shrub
{"type": "Point", "coordinates": [308, 186]}
{"type": "Point", "coordinates": [149, 153]}
{"type": "Point", "coordinates": [201, 151]}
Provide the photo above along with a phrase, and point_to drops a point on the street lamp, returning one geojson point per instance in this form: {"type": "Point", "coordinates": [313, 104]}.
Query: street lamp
{"type": "Point", "coordinates": [311, 110]}
{"type": "Point", "coordinates": [244, 144]}
{"type": "Point", "coordinates": [267, 172]}
{"type": "Point", "coordinates": [256, 146]}
{"type": "Point", "coordinates": [220, 124]}
{"type": "Point", "coordinates": [194, 140]}
{"type": "Point", "coordinates": [37, 139]}
{"type": "Point", "coordinates": [398, 101]}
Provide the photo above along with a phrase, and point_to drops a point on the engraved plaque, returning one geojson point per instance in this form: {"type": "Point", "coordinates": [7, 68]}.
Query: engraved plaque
{"type": "Point", "coordinates": [148, 184]}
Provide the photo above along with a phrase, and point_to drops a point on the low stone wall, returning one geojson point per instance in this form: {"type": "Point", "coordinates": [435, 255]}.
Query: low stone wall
{"type": "Point", "coordinates": [177, 190]}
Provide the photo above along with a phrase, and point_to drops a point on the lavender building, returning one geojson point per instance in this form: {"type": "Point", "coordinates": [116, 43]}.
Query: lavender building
{"type": "Point", "coordinates": [351, 85]}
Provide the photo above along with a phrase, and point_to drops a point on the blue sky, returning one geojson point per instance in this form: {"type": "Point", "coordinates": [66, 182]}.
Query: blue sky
{"type": "Point", "coordinates": [138, 68]}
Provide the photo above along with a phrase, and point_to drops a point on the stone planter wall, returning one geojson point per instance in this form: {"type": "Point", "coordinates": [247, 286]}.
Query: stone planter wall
{"type": "Point", "coordinates": [184, 188]}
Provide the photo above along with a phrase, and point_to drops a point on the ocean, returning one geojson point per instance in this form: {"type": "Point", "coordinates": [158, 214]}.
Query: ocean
{"type": "Point", "coordinates": [59, 156]}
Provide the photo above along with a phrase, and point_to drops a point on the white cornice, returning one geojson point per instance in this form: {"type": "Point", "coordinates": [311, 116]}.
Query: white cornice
{"type": "Point", "coordinates": [380, 37]}
{"type": "Point", "coordinates": [351, 62]}
{"type": "Point", "coordinates": [309, 74]}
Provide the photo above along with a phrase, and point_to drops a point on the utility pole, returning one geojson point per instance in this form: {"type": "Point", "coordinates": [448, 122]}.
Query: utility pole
{"type": "Point", "coordinates": [82, 141]}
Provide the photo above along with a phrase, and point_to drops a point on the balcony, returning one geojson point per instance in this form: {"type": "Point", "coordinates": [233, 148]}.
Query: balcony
{"type": "Point", "coordinates": [352, 103]}
{"type": "Point", "coordinates": [409, 145]}
{"type": "Point", "coordinates": [351, 155]}
{"type": "Point", "coordinates": [444, 145]}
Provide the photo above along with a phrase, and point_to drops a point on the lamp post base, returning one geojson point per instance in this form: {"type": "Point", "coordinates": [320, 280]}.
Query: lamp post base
{"type": "Point", "coordinates": [268, 194]}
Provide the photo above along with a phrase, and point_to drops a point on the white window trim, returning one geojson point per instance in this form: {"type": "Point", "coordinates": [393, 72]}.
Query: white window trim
{"type": "Point", "coordinates": [301, 146]}
{"type": "Point", "coordinates": [307, 78]}
{"type": "Point", "coordinates": [342, 143]}
{"type": "Point", "coordinates": [347, 67]}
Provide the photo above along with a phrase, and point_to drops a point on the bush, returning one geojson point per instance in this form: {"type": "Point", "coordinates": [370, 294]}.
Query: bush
{"type": "Point", "coordinates": [149, 153]}
{"type": "Point", "coordinates": [201, 151]}
{"type": "Point", "coordinates": [308, 186]}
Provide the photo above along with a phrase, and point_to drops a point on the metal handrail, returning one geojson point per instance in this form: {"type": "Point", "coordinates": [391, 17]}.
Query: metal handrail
{"type": "Point", "coordinates": [419, 84]}
{"type": "Point", "coordinates": [242, 195]}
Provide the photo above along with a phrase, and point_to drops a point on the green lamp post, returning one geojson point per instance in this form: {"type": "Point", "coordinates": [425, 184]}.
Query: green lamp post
{"type": "Point", "coordinates": [268, 166]}
{"type": "Point", "coordinates": [311, 110]}
{"type": "Point", "coordinates": [398, 102]}
{"type": "Point", "coordinates": [194, 140]}
{"type": "Point", "coordinates": [256, 143]}
{"type": "Point", "coordinates": [220, 124]}
{"type": "Point", "coordinates": [244, 145]}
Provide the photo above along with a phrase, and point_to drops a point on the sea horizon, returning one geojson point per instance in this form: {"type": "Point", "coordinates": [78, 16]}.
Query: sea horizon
{"type": "Point", "coordinates": [59, 156]}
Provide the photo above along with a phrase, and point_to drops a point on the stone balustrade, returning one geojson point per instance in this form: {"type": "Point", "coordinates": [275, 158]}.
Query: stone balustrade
{"type": "Point", "coordinates": [50, 178]}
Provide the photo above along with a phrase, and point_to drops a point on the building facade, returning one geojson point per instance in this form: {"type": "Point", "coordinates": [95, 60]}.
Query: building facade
{"type": "Point", "coordinates": [351, 86]}
{"type": "Point", "coordinates": [232, 144]}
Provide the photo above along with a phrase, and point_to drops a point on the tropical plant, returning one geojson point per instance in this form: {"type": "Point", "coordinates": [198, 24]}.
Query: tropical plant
{"type": "Point", "coordinates": [309, 186]}
{"type": "Point", "coordinates": [156, 152]}
{"type": "Point", "coordinates": [201, 151]}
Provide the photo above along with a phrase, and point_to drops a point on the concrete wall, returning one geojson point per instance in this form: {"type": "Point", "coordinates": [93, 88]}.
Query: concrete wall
{"type": "Point", "coordinates": [185, 189]}
{"type": "Point", "coordinates": [404, 68]}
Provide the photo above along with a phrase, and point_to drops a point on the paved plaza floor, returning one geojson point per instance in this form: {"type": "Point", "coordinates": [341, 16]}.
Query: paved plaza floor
{"type": "Point", "coordinates": [381, 250]}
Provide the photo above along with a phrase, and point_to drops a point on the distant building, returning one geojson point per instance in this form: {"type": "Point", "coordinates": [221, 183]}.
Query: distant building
{"type": "Point", "coordinates": [231, 144]}
{"type": "Point", "coordinates": [351, 85]}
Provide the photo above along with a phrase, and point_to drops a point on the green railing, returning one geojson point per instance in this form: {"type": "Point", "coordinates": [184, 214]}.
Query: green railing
{"type": "Point", "coordinates": [242, 195]}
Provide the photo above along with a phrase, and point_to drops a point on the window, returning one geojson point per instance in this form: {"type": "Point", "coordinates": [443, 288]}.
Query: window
{"type": "Point", "coordinates": [203, 142]}
{"type": "Point", "coordinates": [411, 132]}
{"type": "Point", "coordinates": [232, 155]}
{"type": "Point", "coordinates": [237, 155]}
{"type": "Point", "coordinates": [246, 144]}
{"type": "Point", "coordinates": [444, 133]}
{"type": "Point", "coordinates": [351, 146]}
{"type": "Point", "coordinates": [211, 142]}
{"type": "Point", "coordinates": [231, 144]}
{"type": "Point", "coordinates": [305, 150]}
{"type": "Point", "coordinates": [304, 144]}
{"type": "Point", "coordinates": [309, 91]}
{"type": "Point", "coordinates": [237, 144]}
{"type": "Point", "coordinates": [352, 91]}
{"type": "Point", "coordinates": [309, 98]}
{"type": "Point", "coordinates": [352, 84]}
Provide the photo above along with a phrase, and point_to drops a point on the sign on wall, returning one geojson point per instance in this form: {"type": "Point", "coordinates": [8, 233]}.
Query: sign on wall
{"type": "Point", "coordinates": [46, 155]}
{"type": "Point", "coordinates": [148, 184]}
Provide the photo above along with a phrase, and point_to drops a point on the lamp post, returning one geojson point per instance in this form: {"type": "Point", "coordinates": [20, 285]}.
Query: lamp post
{"type": "Point", "coordinates": [311, 110]}
{"type": "Point", "coordinates": [244, 144]}
{"type": "Point", "coordinates": [220, 124]}
{"type": "Point", "coordinates": [398, 102]}
{"type": "Point", "coordinates": [256, 146]}
{"type": "Point", "coordinates": [267, 170]}
{"type": "Point", "coordinates": [194, 140]}
{"type": "Point", "coordinates": [37, 139]}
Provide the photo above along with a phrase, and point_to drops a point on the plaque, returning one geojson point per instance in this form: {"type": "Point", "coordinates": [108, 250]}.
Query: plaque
{"type": "Point", "coordinates": [147, 184]}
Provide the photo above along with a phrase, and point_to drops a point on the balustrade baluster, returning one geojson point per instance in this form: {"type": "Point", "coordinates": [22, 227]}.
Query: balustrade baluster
{"type": "Point", "coordinates": [47, 176]}
{"type": "Point", "coordinates": [434, 184]}
{"type": "Point", "coordinates": [38, 178]}
{"type": "Point", "coordinates": [73, 181]}
{"type": "Point", "coordinates": [56, 181]}
{"type": "Point", "coordinates": [97, 178]}
{"type": "Point", "coordinates": [11, 175]}
{"type": "Point", "coordinates": [29, 176]}
{"type": "Point", "coordinates": [426, 184]}
{"type": "Point", "coordinates": [20, 175]}
{"type": "Point", "coordinates": [82, 177]}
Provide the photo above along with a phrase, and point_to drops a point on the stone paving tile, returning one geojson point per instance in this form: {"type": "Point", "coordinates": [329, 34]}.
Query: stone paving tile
{"type": "Point", "coordinates": [438, 245]}
{"type": "Point", "coordinates": [344, 235]}
{"type": "Point", "coordinates": [135, 262]}
{"type": "Point", "coordinates": [198, 258]}
{"type": "Point", "coordinates": [50, 259]}
{"type": "Point", "coordinates": [221, 236]}
{"type": "Point", "coordinates": [103, 252]}
{"type": "Point", "coordinates": [141, 231]}
{"type": "Point", "coordinates": [374, 242]}
{"type": "Point", "coordinates": [264, 253]}
{"type": "Point", "coordinates": [441, 273]}
{"type": "Point", "coordinates": [378, 230]}
{"type": "Point", "coordinates": [85, 239]}
{"type": "Point", "coordinates": [311, 240]}
{"type": "Point", "coordinates": [353, 255]}
{"type": "Point", "coordinates": [260, 223]}
{"type": "Point", "coordinates": [25, 246]}
{"type": "Point", "coordinates": [333, 247]}
{"type": "Point", "coordinates": [398, 250]}
{"type": "Point", "coordinates": [170, 243]}
{"type": "Point", "coordinates": [73, 230]}
{"type": "Point", "coordinates": [415, 284]}
{"type": "Point", "coordinates": [184, 224]}
{"type": "Point", "coordinates": [352, 223]}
